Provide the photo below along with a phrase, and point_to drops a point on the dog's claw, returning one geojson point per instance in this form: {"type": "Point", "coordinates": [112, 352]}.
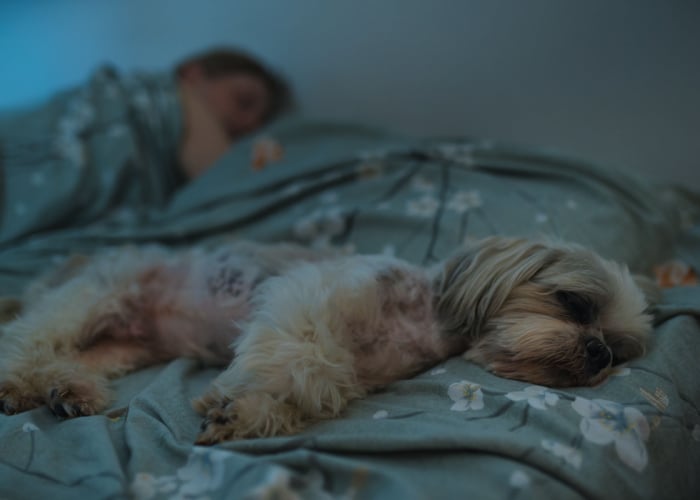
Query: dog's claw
{"type": "Point", "coordinates": [59, 410]}
{"type": "Point", "coordinates": [64, 404]}
{"type": "Point", "coordinates": [217, 418]}
{"type": "Point", "coordinates": [205, 423]}
{"type": "Point", "coordinates": [7, 408]}
{"type": "Point", "coordinates": [212, 433]}
{"type": "Point", "coordinates": [218, 424]}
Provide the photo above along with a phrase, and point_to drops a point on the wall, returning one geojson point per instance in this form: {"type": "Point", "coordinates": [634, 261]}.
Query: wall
{"type": "Point", "coordinates": [612, 81]}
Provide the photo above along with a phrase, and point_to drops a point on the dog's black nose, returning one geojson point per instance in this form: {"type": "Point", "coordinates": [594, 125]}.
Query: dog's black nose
{"type": "Point", "coordinates": [598, 355]}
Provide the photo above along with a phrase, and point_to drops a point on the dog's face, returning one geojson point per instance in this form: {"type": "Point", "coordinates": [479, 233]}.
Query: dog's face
{"type": "Point", "coordinates": [554, 315]}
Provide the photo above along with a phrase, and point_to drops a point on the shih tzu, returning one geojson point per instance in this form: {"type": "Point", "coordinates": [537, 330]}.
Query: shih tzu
{"type": "Point", "coordinates": [311, 331]}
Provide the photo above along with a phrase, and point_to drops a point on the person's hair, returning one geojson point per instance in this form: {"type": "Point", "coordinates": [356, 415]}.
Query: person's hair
{"type": "Point", "coordinates": [224, 62]}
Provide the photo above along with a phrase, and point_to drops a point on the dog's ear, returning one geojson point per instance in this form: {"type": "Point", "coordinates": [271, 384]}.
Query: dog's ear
{"type": "Point", "coordinates": [474, 283]}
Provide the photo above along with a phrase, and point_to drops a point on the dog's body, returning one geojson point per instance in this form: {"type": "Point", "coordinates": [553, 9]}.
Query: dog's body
{"type": "Point", "coordinates": [314, 330]}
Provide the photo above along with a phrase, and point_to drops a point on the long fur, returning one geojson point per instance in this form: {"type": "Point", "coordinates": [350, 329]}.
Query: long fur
{"type": "Point", "coordinates": [313, 331]}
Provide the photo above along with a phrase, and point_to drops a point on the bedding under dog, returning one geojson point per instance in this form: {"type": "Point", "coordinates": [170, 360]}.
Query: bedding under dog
{"type": "Point", "coordinates": [102, 174]}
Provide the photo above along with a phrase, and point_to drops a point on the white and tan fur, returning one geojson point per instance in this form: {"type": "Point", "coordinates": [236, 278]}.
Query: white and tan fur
{"type": "Point", "coordinates": [312, 331]}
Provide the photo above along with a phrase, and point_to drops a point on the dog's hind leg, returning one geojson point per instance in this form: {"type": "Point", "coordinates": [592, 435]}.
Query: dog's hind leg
{"type": "Point", "coordinates": [271, 400]}
{"type": "Point", "coordinates": [290, 368]}
{"type": "Point", "coordinates": [277, 384]}
{"type": "Point", "coordinates": [48, 355]}
{"type": "Point", "coordinates": [38, 350]}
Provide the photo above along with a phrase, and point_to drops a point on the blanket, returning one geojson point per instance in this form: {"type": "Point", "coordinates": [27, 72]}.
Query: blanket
{"type": "Point", "coordinates": [102, 173]}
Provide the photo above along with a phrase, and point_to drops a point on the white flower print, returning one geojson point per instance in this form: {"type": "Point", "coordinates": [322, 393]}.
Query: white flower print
{"type": "Point", "coordinates": [425, 206]}
{"type": "Point", "coordinates": [380, 415]}
{"type": "Point", "coordinates": [438, 371]}
{"type": "Point", "coordinates": [71, 149]}
{"type": "Point", "coordinates": [466, 396]}
{"type": "Point", "coordinates": [461, 153]}
{"type": "Point", "coordinates": [320, 226]}
{"type": "Point", "coordinates": [606, 422]}
{"type": "Point", "coordinates": [280, 484]}
{"type": "Point", "coordinates": [570, 455]}
{"type": "Point", "coordinates": [463, 201]}
{"type": "Point", "coordinates": [29, 427]}
{"type": "Point", "coordinates": [276, 485]}
{"type": "Point", "coordinates": [148, 486]}
{"type": "Point", "coordinates": [536, 396]}
{"type": "Point", "coordinates": [79, 115]}
{"type": "Point", "coordinates": [203, 473]}
{"type": "Point", "coordinates": [541, 218]}
{"type": "Point", "coordinates": [519, 479]}
{"type": "Point", "coordinates": [420, 183]}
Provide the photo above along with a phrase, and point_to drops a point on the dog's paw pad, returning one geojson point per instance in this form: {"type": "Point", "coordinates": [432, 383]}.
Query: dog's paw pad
{"type": "Point", "coordinates": [68, 403]}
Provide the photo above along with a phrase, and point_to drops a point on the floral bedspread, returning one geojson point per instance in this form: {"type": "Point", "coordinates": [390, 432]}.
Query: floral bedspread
{"type": "Point", "coordinates": [454, 431]}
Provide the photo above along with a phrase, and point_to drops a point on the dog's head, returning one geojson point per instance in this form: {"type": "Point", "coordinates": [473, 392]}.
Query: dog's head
{"type": "Point", "coordinates": [547, 313]}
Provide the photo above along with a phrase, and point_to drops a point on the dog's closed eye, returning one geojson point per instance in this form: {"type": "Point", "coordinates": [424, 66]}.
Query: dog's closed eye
{"type": "Point", "coordinates": [579, 308]}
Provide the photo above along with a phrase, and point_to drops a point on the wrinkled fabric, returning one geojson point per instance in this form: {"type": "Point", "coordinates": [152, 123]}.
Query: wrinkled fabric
{"type": "Point", "coordinates": [451, 432]}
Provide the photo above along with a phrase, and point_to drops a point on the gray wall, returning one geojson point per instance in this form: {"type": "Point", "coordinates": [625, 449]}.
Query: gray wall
{"type": "Point", "coordinates": [612, 81]}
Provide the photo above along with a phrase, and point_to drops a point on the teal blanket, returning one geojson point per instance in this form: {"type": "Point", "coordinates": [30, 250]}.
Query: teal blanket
{"type": "Point", "coordinates": [95, 167]}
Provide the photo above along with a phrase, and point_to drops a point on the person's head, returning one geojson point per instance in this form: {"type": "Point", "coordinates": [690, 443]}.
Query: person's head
{"type": "Point", "coordinates": [241, 92]}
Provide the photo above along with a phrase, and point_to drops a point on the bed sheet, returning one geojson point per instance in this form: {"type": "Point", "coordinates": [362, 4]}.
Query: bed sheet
{"type": "Point", "coordinates": [452, 431]}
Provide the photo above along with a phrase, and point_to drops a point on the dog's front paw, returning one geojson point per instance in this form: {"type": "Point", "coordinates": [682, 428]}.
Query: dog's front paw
{"type": "Point", "coordinates": [76, 399]}
{"type": "Point", "coordinates": [16, 397]}
{"type": "Point", "coordinates": [219, 424]}
{"type": "Point", "coordinates": [250, 415]}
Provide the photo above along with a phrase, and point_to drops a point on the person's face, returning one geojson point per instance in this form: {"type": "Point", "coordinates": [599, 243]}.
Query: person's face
{"type": "Point", "coordinates": [239, 101]}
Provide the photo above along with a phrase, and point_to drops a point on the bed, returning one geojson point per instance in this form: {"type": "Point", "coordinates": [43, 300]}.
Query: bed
{"type": "Point", "coordinates": [100, 176]}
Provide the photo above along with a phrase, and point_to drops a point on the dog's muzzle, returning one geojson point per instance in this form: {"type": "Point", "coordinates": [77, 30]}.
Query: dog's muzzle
{"type": "Point", "coordinates": [598, 356]}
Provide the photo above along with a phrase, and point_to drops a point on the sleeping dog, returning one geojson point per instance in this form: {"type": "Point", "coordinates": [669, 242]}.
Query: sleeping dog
{"type": "Point", "coordinates": [310, 331]}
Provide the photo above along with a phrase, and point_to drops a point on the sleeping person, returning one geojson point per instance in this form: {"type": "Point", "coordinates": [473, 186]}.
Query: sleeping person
{"type": "Point", "coordinates": [123, 144]}
{"type": "Point", "coordinates": [225, 95]}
